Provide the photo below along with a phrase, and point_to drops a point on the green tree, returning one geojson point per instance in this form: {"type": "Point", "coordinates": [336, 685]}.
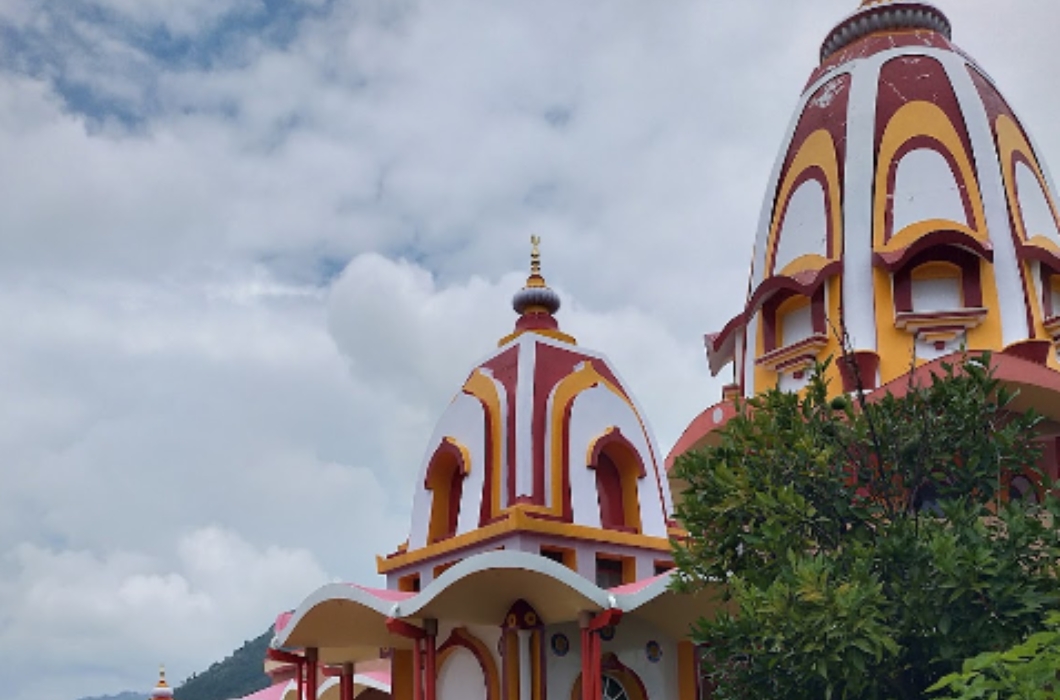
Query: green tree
{"type": "Point", "coordinates": [866, 548]}
{"type": "Point", "coordinates": [1028, 671]}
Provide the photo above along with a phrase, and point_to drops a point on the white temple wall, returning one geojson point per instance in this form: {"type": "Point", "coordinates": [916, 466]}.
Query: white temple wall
{"type": "Point", "coordinates": [463, 420]}
{"type": "Point", "coordinates": [925, 188]}
{"type": "Point", "coordinates": [1037, 216]}
{"type": "Point", "coordinates": [593, 412]}
{"type": "Point", "coordinates": [461, 677]}
{"type": "Point", "coordinates": [804, 229]}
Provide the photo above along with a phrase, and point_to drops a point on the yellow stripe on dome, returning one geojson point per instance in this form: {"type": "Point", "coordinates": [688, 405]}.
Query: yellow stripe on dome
{"type": "Point", "coordinates": [818, 149]}
{"type": "Point", "coordinates": [483, 388]}
{"type": "Point", "coordinates": [1010, 141]}
{"type": "Point", "coordinates": [519, 520]}
{"type": "Point", "coordinates": [913, 120]}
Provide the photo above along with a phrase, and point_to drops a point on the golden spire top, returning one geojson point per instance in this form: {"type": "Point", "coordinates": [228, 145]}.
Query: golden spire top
{"type": "Point", "coordinates": [162, 675]}
{"type": "Point", "coordinates": [535, 279]}
{"type": "Point", "coordinates": [535, 255]}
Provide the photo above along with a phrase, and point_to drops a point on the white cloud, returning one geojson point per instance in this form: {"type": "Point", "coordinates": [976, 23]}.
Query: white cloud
{"type": "Point", "coordinates": [138, 607]}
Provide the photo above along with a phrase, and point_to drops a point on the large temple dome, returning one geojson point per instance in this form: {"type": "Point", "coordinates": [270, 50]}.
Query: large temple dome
{"type": "Point", "coordinates": [908, 207]}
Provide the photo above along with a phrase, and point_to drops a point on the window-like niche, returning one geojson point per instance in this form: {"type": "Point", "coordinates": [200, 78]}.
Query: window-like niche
{"type": "Point", "coordinates": [795, 332]}
{"type": "Point", "coordinates": [618, 468]}
{"type": "Point", "coordinates": [445, 481]}
{"type": "Point", "coordinates": [938, 298]}
{"type": "Point", "coordinates": [1050, 287]}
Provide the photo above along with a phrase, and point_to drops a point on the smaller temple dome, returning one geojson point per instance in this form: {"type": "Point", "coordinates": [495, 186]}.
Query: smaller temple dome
{"type": "Point", "coordinates": [543, 449]}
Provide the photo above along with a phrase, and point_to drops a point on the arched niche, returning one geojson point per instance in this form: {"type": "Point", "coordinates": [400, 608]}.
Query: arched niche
{"type": "Point", "coordinates": [449, 466]}
{"type": "Point", "coordinates": [618, 467]}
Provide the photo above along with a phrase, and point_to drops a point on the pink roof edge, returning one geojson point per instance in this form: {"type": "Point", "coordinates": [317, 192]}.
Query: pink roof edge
{"type": "Point", "coordinates": [636, 586]}
{"type": "Point", "coordinates": [381, 677]}
{"type": "Point", "coordinates": [384, 593]}
{"type": "Point", "coordinates": [281, 621]}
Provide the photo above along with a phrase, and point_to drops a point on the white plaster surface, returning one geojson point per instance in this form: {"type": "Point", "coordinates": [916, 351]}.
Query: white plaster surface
{"type": "Point", "coordinates": [593, 412]}
{"type": "Point", "coordinates": [1038, 218]}
{"type": "Point", "coordinates": [524, 410]}
{"type": "Point", "coordinates": [805, 227]}
{"type": "Point", "coordinates": [461, 677]}
{"type": "Point", "coordinates": [788, 381]}
{"type": "Point", "coordinates": [859, 301]}
{"type": "Point", "coordinates": [942, 294]}
{"type": "Point", "coordinates": [1011, 295]}
{"type": "Point", "coordinates": [464, 419]}
{"type": "Point", "coordinates": [796, 325]}
{"type": "Point", "coordinates": [925, 188]}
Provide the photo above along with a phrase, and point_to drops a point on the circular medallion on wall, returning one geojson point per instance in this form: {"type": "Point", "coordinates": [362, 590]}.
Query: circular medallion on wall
{"type": "Point", "coordinates": [607, 633]}
{"type": "Point", "coordinates": [560, 644]}
{"type": "Point", "coordinates": [653, 651]}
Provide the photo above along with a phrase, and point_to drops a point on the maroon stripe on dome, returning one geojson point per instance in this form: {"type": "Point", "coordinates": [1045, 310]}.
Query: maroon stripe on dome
{"type": "Point", "coordinates": [906, 79]}
{"type": "Point", "coordinates": [826, 109]}
{"type": "Point", "coordinates": [875, 43]}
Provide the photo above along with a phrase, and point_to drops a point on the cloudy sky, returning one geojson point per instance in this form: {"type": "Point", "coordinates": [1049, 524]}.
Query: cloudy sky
{"type": "Point", "coordinates": [250, 248]}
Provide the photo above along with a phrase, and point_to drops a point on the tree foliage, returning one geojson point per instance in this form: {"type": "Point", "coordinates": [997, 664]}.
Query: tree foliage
{"type": "Point", "coordinates": [867, 548]}
{"type": "Point", "coordinates": [238, 675]}
{"type": "Point", "coordinates": [1027, 671]}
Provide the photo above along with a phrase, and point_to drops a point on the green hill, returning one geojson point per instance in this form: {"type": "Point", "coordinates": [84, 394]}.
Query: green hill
{"type": "Point", "coordinates": [238, 675]}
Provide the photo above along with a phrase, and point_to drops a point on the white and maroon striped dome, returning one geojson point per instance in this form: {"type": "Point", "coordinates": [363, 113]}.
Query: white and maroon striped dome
{"type": "Point", "coordinates": [908, 207]}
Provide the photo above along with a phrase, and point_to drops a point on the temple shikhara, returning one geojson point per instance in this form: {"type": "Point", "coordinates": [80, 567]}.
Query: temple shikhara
{"type": "Point", "coordinates": [908, 212]}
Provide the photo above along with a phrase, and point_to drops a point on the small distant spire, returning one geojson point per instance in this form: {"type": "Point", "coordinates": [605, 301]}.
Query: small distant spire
{"type": "Point", "coordinates": [162, 689]}
{"type": "Point", "coordinates": [535, 256]}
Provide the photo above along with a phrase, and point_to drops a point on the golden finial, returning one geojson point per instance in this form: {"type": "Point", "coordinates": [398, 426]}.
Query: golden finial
{"type": "Point", "coordinates": [535, 255]}
{"type": "Point", "coordinates": [161, 674]}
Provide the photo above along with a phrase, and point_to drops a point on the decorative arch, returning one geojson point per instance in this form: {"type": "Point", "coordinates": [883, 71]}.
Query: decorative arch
{"type": "Point", "coordinates": [562, 397]}
{"type": "Point", "coordinates": [618, 468]}
{"type": "Point", "coordinates": [522, 641]}
{"type": "Point", "coordinates": [611, 666]}
{"type": "Point", "coordinates": [461, 638]}
{"type": "Point", "coordinates": [449, 465]}
{"type": "Point", "coordinates": [815, 160]}
{"type": "Point", "coordinates": [922, 125]}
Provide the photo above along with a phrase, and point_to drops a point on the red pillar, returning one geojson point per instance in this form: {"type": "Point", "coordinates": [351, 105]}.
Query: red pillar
{"type": "Point", "coordinates": [417, 670]}
{"type": "Point", "coordinates": [586, 649]}
{"type": "Point", "coordinates": [301, 678]}
{"type": "Point", "coordinates": [346, 682]}
{"type": "Point", "coordinates": [430, 626]}
{"type": "Point", "coordinates": [311, 677]}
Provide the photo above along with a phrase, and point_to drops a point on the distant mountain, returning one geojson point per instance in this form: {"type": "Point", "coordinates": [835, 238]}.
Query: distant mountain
{"type": "Point", "coordinates": [240, 674]}
{"type": "Point", "coordinates": [128, 695]}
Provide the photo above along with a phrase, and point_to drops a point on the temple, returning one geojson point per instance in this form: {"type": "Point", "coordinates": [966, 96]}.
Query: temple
{"type": "Point", "coordinates": [908, 217]}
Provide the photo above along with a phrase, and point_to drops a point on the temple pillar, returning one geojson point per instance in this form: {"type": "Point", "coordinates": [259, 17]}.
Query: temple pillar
{"type": "Point", "coordinates": [346, 682]}
{"type": "Point", "coordinates": [430, 626]}
{"type": "Point", "coordinates": [311, 677]}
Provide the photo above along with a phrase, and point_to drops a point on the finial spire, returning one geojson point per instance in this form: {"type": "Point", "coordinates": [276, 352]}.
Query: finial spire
{"type": "Point", "coordinates": [536, 302]}
{"type": "Point", "coordinates": [162, 691]}
{"type": "Point", "coordinates": [535, 255]}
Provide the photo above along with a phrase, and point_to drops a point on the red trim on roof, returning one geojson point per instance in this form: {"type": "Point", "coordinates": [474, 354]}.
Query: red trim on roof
{"type": "Point", "coordinates": [894, 260]}
{"type": "Point", "coordinates": [701, 426]}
